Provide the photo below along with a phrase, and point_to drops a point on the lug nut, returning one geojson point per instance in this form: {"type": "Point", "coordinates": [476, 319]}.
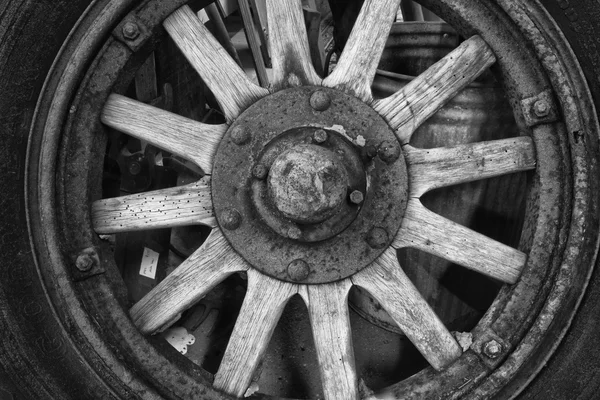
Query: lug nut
{"type": "Point", "coordinates": [239, 135]}
{"type": "Point", "coordinates": [357, 197]}
{"type": "Point", "coordinates": [320, 136]}
{"type": "Point", "coordinates": [260, 171]}
{"type": "Point", "coordinates": [84, 262]}
{"type": "Point", "coordinates": [131, 31]}
{"type": "Point", "coordinates": [294, 233]}
{"type": "Point", "coordinates": [389, 151]}
{"type": "Point", "coordinates": [320, 100]}
{"type": "Point", "coordinates": [298, 270]}
{"type": "Point", "coordinates": [231, 219]}
{"type": "Point", "coordinates": [541, 108]}
{"type": "Point", "coordinates": [492, 349]}
{"type": "Point", "coordinates": [377, 238]}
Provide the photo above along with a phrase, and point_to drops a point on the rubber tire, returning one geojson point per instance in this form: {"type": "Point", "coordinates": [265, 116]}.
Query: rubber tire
{"type": "Point", "coordinates": [37, 358]}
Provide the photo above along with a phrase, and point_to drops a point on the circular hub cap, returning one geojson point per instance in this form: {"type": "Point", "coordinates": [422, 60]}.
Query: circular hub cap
{"type": "Point", "coordinates": [309, 185]}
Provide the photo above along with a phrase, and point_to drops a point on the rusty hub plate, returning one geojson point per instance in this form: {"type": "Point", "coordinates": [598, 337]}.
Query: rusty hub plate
{"type": "Point", "coordinates": [256, 163]}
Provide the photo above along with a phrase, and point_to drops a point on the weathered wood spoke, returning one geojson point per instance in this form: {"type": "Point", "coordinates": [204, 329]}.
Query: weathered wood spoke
{"type": "Point", "coordinates": [386, 281]}
{"type": "Point", "coordinates": [425, 230]}
{"type": "Point", "coordinates": [203, 270]}
{"type": "Point", "coordinates": [429, 169]}
{"type": "Point", "coordinates": [290, 54]}
{"type": "Point", "coordinates": [187, 138]}
{"type": "Point", "coordinates": [412, 105]}
{"type": "Point", "coordinates": [328, 310]}
{"type": "Point", "coordinates": [167, 208]}
{"type": "Point", "coordinates": [356, 68]}
{"type": "Point", "coordinates": [228, 82]}
{"type": "Point", "coordinates": [264, 302]}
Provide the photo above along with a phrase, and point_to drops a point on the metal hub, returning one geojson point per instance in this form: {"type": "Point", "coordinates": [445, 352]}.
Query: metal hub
{"type": "Point", "coordinates": [310, 186]}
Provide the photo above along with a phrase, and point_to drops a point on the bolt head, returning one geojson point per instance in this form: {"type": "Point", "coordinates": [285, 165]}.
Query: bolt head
{"type": "Point", "coordinates": [135, 168]}
{"type": "Point", "coordinates": [231, 219]}
{"type": "Point", "coordinates": [240, 135]}
{"type": "Point", "coordinates": [377, 238]}
{"type": "Point", "coordinates": [492, 349]}
{"type": "Point", "coordinates": [541, 108]}
{"type": "Point", "coordinates": [356, 197]}
{"type": "Point", "coordinates": [84, 262]}
{"type": "Point", "coordinates": [294, 233]}
{"type": "Point", "coordinates": [389, 151]}
{"type": "Point", "coordinates": [298, 270]}
{"type": "Point", "coordinates": [320, 100]}
{"type": "Point", "coordinates": [320, 136]}
{"type": "Point", "coordinates": [131, 31]}
{"type": "Point", "coordinates": [260, 171]}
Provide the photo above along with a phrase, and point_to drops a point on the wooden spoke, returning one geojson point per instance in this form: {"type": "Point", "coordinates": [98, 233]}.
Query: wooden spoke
{"type": "Point", "coordinates": [328, 310]}
{"type": "Point", "coordinates": [196, 276]}
{"type": "Point", "coordinates": [356, 68]}
{"type": "Point", "coordinates": [434, 234]}
{"type": "Point", "coordinates": [412, 105]}
{"type": "Point", "coordinates": [434, 168]}
{"type": "Point", "coordinates": [386, 281]}
{"type": "Point", "coordinates": [262, 308]}
{"type": "Point", "coordinates": [290, 54]}
{"type": "Point", "coordinates": [228, 82]}
{"type": "Point", "coordinates": [166, 208]}
{"type": "Point", "coordinates": [187, 138]}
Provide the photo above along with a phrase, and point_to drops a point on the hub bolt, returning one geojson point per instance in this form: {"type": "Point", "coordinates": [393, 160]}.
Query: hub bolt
{"type": "Point", "coordinates": [320, 100]}
{"type": "Point", "coordinates": [541, 108]}
{"type": "Point", "coordinates": [294, 233]}
{"type": "Point", "coordinates": [84, 262]}
{"type": "Point", "coordinates": [260, 171]}
{"type": "Point", "coordinates": [231, 219]}
{"type": "Point", "coordinates": [377, 238]}
{"type": "Point", "coordinates": [357, 197]}
{"type": "Point", "coordinates": [131, 31]}
{"type": "Point", "coordinates": [492, 349]}
{"type": "Point", "coordinates": [239, 135]}
{"type": "Point", "coordinates": [320, 136]}
{"type": "Point", "coordinates": [298, 270]}
{"type": "Point", "coordinates": [389, 151]}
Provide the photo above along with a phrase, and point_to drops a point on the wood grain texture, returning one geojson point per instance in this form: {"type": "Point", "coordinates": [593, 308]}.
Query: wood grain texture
{"type": "Point", "coordinates": [185, 137]}
{"type": "Point", "coordinates": [214, 261]}
{"type": "Point", "coordinates": [446, 166]}
{"type": "Point", "coordinates": [228, 82]}
{"type": "Point", "coordinates": [427, 231]}
{"type": "Point", "coordinates": [386, 281]}
{"type": "Point", "coordinates": [290, 54]}
{"type": "Point", "coordinates": [264, 302]}
{"type": "Point", "coordinates": [330, 320]}
{"type": "Point", "coordinates": [356, 68]}
{"type": "Point", "coordinates": [412, 105]}
{"type": "Point", "coordinates": [252, 39]}
{"type": "Point", "coordinates": [166, 208]}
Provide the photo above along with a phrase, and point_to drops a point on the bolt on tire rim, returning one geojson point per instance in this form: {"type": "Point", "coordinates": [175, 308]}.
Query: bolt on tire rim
{"type": "Point", "coordinates": [415, 172]}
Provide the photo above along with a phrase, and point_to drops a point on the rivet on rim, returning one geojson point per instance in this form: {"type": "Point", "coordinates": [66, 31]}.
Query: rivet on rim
{"type": "Point", "coordinates": [298, 270]}
{"type": "Point", "coordinates": [357, 197]}
{"type": "Point", "coordinates": [320, 100]}
{"type": "Point", "coordinates": [377, 238]}
{"type": "Point", "coordinates": [541, 108]}
{"type": "Point", "coordinates": [131, 31]}
{"type": "Point", "coordinates": [492, 349]}
{"type": "Point", "coordinates": [260, 171]}
{"type": "Point", "coordinates": [84, 262]}
{"type": "Point", "coordinates": [389, 151]}
{"type": "Point", "coordinates": [231, 219]}
{"type": "Point", "coordinates": [239, 135]}
{"type": "Point", "coordinates": [320, 136]}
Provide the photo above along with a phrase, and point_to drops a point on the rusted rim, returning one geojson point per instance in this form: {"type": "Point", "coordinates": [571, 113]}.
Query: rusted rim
{"type": "Point", "coordinates": [553, 236]}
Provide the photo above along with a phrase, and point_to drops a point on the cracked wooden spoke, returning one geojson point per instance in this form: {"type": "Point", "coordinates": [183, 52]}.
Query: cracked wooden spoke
{"type": "Point", "coordinates": [386, 281]}
{"type": "Point", "coordinates": [412, 105]}
{"type": "Point", "coordinates": [187, 138]}
{"type": "Point", "coordinates": [425, 230]}
{"type": "Point", "coordinates": [228, 82]}
{"type": "Point", "coordinates": [440, 167]}
{"type": "Point", "coordinates": [214, 261]}
{"type": "Point", "coordinates": [328, 310]}
{"type": "Point", "coordinates": [166, 208]}
{"type": "Point", "coordinates": [264, 302]}
{"type": "Point", "coordinates": [356, 68]}
{"type": "Point", "coordinates": [290, 54]}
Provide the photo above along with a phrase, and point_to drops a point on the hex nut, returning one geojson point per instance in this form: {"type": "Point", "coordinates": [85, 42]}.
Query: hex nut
{"type": "Point", "coordinates": [231, 219]}
{"type": "Point", "coordinates": [131, 31]}
{"type": "Point", "coordinates": [492, 349]}
{"type": "Point", "coordinates": [298, 270]}
{"type": "Point", "coordinates": [541, 108]}
{"type": "Point", "coordinates": [377, 238]}
{"type": "Point", "coordinates": [84, 262]}
{"type": "Point", "coordinates": [357, 197]}
{"type": "Point", "coordinates": [320, 136]}
{"type": "Point", "coordinates": [320, 100]}
{"type": "Point", "coordinates": [239, 135]}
